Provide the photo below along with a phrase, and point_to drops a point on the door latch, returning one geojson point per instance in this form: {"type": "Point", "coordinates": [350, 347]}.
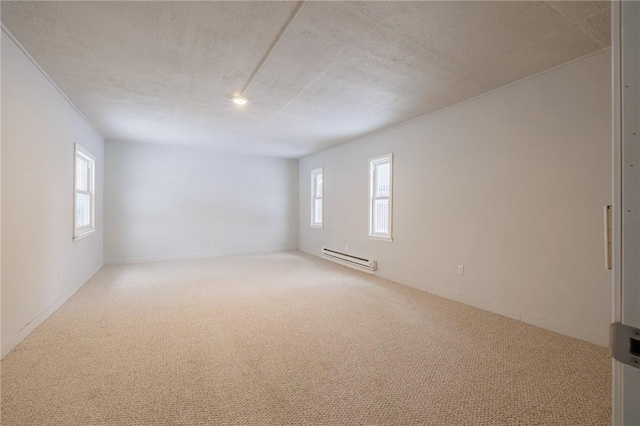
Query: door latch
{"type": "Point", "coordinates": [624, 344]}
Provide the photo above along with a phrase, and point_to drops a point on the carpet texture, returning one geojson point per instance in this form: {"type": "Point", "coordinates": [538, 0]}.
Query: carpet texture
{"type": "Point", "coordinates": [291, 339]}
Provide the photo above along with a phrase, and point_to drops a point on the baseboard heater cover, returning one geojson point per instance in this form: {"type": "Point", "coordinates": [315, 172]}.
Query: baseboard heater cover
{"type": "Point", "coordinates": [355, 262]}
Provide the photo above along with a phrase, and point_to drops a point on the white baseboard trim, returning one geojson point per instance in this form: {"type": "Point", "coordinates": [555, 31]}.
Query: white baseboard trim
{"type": "Point", "coordinates": [10, 343]}
{"type": "Point", "coordinates": [588, 335]}
{"type": "Point", "coordinates": [129, 261]}
{"type": "Point", "coordinates": [550, 324]}
{"type": "Point", "coordinates": [591, 336]}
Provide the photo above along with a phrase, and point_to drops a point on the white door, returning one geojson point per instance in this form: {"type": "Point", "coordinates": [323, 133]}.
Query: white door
{"type": "Point", "coordinates": [626, 208]}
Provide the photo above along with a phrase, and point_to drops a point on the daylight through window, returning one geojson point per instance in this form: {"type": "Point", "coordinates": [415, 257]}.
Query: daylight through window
{"type": "Point", "coordinates": [84, 197]}
{"type": "Point", "coordinates": [380, 190]}
{"type": "Point", "coordinates": [317, 193]}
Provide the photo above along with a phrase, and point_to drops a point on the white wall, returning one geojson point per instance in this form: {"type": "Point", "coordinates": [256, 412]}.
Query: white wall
{"type": "Point", "coordinates": [41, 265]}
{"type": "Point", "coordinates": [164, 202]}
{"type": "Point", "coordinates": [511, 185]}
{"type": "Point", "coordinates": [1, 42]}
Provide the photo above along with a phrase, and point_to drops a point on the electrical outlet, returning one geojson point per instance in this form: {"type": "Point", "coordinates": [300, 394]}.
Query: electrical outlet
{"type": "Point", "coordinates": [460, 269]}
{"type": "Point", "coordinates": [61, 273]}
{"type": "Point", "coordinates": [346, 248]}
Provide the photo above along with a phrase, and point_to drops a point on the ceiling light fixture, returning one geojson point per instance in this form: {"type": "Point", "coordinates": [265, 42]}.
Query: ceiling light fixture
{"type": "Point", "coordinates": [239, 100]}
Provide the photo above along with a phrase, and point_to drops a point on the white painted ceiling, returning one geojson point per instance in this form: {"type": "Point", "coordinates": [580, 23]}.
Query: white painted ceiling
{"type": "Point", "coordinates": [163, 72]}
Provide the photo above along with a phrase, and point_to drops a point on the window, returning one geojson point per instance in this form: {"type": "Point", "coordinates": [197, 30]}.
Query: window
{"type": "Point", "coordinates": [317, 193]}
{"type": "Point", "coordinates": [84, 195]}
{"type": "Point", "coordinates": [380, 197]}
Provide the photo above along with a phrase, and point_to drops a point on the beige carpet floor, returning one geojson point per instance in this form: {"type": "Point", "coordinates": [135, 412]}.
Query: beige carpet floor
{"type": "Point", "coordinates": [291, 339]}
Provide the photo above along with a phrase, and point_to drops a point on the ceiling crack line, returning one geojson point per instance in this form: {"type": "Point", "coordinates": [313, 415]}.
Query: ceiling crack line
{"type": "Point", "coordinates": [281, 34]}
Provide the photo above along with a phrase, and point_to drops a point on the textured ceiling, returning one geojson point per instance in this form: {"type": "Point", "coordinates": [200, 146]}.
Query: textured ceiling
{"type": "Point", "coordinates": [163, 72]}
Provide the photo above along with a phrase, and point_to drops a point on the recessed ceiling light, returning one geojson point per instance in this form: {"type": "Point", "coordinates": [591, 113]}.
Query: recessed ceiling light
{"type": "Point", "coordinates": [239, 100]}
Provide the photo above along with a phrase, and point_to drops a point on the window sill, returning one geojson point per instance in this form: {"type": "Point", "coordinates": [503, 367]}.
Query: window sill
{"type": "Point", "coordinates": [84, 235]}
{"type": "Point", "coordinates": [317, 227]}
{"type": "Point", "coordinates": [384, 239]}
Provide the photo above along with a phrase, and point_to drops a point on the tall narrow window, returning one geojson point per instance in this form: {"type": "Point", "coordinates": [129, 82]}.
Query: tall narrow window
{"type": "Point", "coordinates": [380, 197]}
{"type": "Point", "coordinates": [316, 198]}
{"type": "Point", "coordinates": [84, 195]}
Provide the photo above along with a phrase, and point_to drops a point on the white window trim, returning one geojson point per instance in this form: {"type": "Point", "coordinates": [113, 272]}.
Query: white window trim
{"type": "Point", "coordinates": [85, 231]}
{"type": "Point", "coordinates": [314, 173]}
{"type": "Point", "coordinates": [372, 164]}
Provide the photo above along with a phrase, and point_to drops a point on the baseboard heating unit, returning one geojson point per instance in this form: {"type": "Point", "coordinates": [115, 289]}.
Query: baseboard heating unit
{"type": "Point", "coordinates": [355, 262]}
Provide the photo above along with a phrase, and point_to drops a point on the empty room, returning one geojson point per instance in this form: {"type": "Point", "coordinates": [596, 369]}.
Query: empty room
{"type": "Point", "coordinates": [320, 212]}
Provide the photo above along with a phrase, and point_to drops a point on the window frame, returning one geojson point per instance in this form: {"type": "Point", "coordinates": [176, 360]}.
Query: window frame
{"type": "Point", "coordinates": [373, 163]}
{"type": "Point", "coordinates": [314, 173]}
{"type": "Point", "coordinates": [84, 231]}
